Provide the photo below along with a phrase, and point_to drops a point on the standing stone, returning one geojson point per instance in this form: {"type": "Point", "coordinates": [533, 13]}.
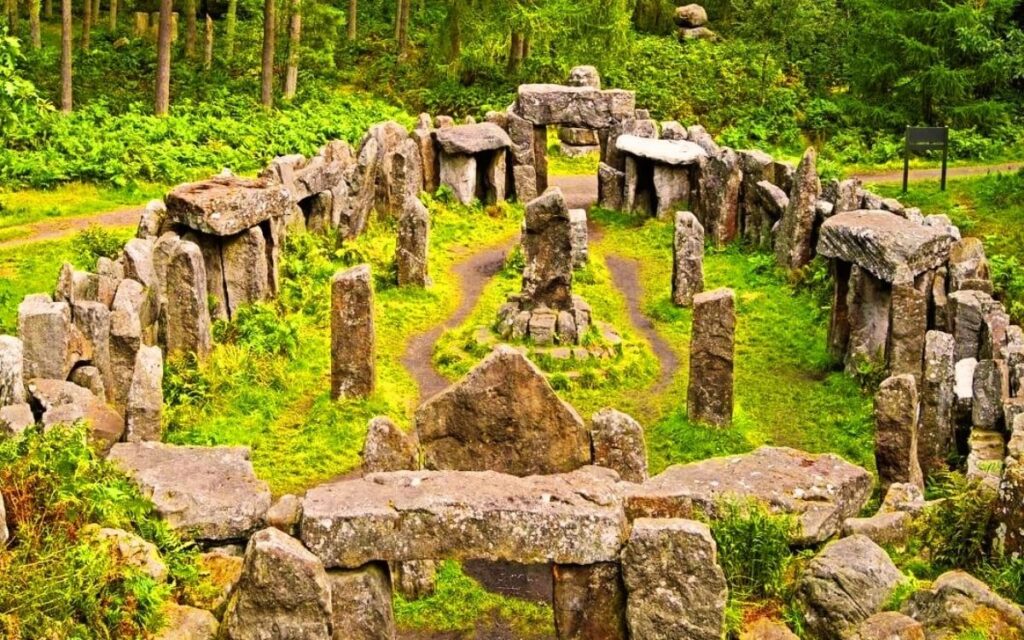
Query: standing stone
{"type": "Point", "coordinates": [589, 602]}
{"type": "Point", "coordinates": [361, 604]}
{"type": "Point", "coordinates": [125, 342]}
{"type": "Point", "coordinates": [388, 448]}
{"type": "Point", "coordinates": [12, 382]}
{"type": "Point", "coordinates": [867, 304]}
{"type": "Point", "coordinates": [458, 172]}
{"type": "Point", "coordinates": [188, 313]}
{"type": "Point", "coordinates": [718, 202]}
{"type": "Point", "coordinates": [688, 259]}
{"type": "Point", "coordinates": [283, 593]}
{"type": "Point", "coordinates": [1009, 517]}
{"type": "Point", "coordinates": [245, 269]}
{"type": "Point", "coordinates": [524, 178]}
{"type": "Point", "coordinates": [138, 261]}
{"type": "Point", "coordinates": [46, 333]}
{"type": "Point", "coordinates": [991, 379]}
{"type": "Point", "coordinates": [413, 242]}
{"type": "Point", "coordinates": [579, 237]}
{"type": "Point", "coordinates": [93, 321]}
{"type": "Point", "coordinates": [908, 324]}
{"type": "Point", "coordinates": [935, 434]}
{"type": "Point", "coordinates": [423, 135]}
{"type": "Point", "coordinates": [896, 410]}
{"type": "Point", "coordinates": [547, 245]}
{"type": "Point", "coordinates": [709, 399]}
{"type": "Point", "coordinates": [144, 409]}
{"type": "Point", "coordinates": [968, 268]}
{"type": "Point", "coordinates": [671, 189]}
{"type": "Point", "coordinates": [610, 186]}
{"type": "Point", "coordinates": [109, 276]}
{"type": "Point", "coordinates": [5, 533]}
{"type": "Point", "coordinates": [618, 444]}
{"type": "Point", "coordinates": [213, 259]}
{"type": "Point", "coordinates": [584, 76]}
{"type": "Point", "coordinates": [496, 177]}
{"type": "Point", "coordinates": [414, 579]}
{"type": "Point", "coordinates": [966, 315]}
{"type": "Point", "coordinates": [793, 248]}
{"type": "Point", "coordinates": [406, 178]}
{"type": "Point", "coordinates": [353, 342]}
{"type": "Point", "coordinates": [675, 588]}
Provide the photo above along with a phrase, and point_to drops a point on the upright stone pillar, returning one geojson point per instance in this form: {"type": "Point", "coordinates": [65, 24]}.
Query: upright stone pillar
{"type": "Point", "coordinates": [12, 380]}
{"type": "Point", "coordinates": [246, 274]}
{"type": "Point", "coordinates": [935, 441]}
{"type": "Point", "coordinates": [908, 324]}
{"type": "Point", "coordinates": [868, 302]}
{"type": "Point", "coordinates": [718, 195]}
{"type": "Point", "coordinates": [353, 371]}
{"type": "Point", "coordinates": [991, 389]}
{"type": "Point", "coordinates": [144, 410]}
{"type": "Point", "coordinates": [896, 410]}
{"type": "Point", "coordinates": [413, 242]}
{"type": "Point", "coordinates": [188, 313]}
{"type": "Point", "coordinates": [712, 338]}
{"type": "Point", "coordinates": [688, 259]}
{"type": "Point", "coordinates": [793, 245]}
{"type": "Point", "coordinates": [547, 245]}
{"type": "Point", "coordinates": [589, 602]}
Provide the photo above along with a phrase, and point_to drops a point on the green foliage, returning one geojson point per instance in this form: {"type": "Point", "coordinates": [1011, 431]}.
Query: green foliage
{"type": "Point", "coordinates": [94, 243]}
{"type": "Point", "coordinates": [260, 327]}
{"type": "Point", "coordinates": [19, 99]}
{"type": "Point", "coordinates": [54, 581]}
{"type": "Point", "coordinates": [954, 533]}
{"type": "Point", "coordinates": [753, 548]}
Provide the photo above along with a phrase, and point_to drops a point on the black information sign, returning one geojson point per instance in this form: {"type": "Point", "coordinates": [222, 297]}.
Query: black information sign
{"type": "Point", "coordinates": [925, 139]}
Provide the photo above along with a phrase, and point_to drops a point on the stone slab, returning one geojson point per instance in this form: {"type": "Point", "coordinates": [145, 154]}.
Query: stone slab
{"type": "Point", "coordinates": [673, 152]}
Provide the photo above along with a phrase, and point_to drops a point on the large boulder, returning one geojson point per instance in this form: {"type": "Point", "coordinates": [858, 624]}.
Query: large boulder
{"type": "Point", "coordinates": [66, 403]}
{"type": "Point", "coordinates": [547, 247]}
{"type": "Point", "coordinates": [670, 152]}
{"type": "Point", "coordinates": [820, 490]}
{"type": "Point", "coordinates": [548, 104]}
{"type": "Point", "coordinates": [225, 206]}
{"type": "Point", "coordinates": [388, 448]}
{"type": "Point", "coordinates": [958, 602]}
{"type": "Point", "coordinates": [361, 603]}
{"type": "Point", "coordinates": [503, 416]}
{"type": "Point", "coordinates": [844, 585]}
{"type": "Point", "coordinates": [51, 343]}
{"type": "Point", "coordinates": [675, 588]}
{"type": "Point", "coordinates": [573, 518]}
{"type": "Point", "coordinates": [471, 139]}
{"type": "Point", "coordinates": [208, 493]}
{"type": "Point", "coordinates": [283, 593]}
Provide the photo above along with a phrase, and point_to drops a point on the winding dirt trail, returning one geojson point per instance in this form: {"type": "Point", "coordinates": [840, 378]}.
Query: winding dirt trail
{"type": "Point", "coordinates": [65, 227]}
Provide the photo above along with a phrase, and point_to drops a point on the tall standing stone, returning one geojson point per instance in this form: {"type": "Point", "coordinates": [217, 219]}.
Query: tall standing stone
{"type": "Point", "coordinates": [125, 342]}
{"type": "Point", "coordinates": [712, 338]}
{"type": "Point", "coordinates": [245, 269]}
{"type": "Point", "coordinates": [935, 433]}
{"type": "Point", "coordinates": [718, 195]}
{"type": "Point", "coordinates": [618, 444]}
{"type": "Point", "coordinates": [675, 588]}
{"type": "Point", "coordinates": [353, 342]}
{"type": "Point", "coordinates": [868, 308]}
{"type": "Point", "coordinates": [590, 602]}
{"type": "Point", "coordinates": [991, 386]}
{"type": "Point", "coordinates": [547, 245]}
{"type": "Point", "coordinates": [896, 411]}
{"type": "Point", "coordinates": [793, 248]}
{"type": "Point", "coordinates": [12, 382]}
{"type": "Point", "coordinates": [188, 313]}
{"type": "Point", "coordinates": [144, 409]}
{"type": "Point", "coordinates": [580, 237]}
{"type": "Point", "coordinates": [93, 321]}
{"type": "Point", "coordinates": [908, 324]}
{"type": "Point", "coordinates": [423, 135]}
{"type": "Point", "coordinates": [413, 242]}
{"type": "Point", "coordinates": [688, 259]}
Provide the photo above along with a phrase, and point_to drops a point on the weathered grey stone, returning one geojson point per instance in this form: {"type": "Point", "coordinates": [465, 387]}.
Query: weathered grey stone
{"type": "Point", "coordinates": [579, 236]}
{"type": "Point", "coordinates": [699, 136]}
{"type": "Point", "coordinates": [574, 518]}
{"type": "Point", "coordinates": [187, 623]}
{"type": "Point", "coordinates": [361, 604]}
{"type": "Point", "coordinates": [144, 410]}
{"type": "Point", "coordinates": [610, 182]}
{"type": "Point", "coordinates": [543, 326]}
{"type": "Point", "coordinates": [896, 414]}
{"type": "Point", "coordinates": [459, 173]}
{"type": "Point", "coordinates": [74, 285]}
{"type": "Point", "coordinates": [890, 529]}
{"type": "Point", "coordinates": [618, 444]}
{"type": "Point", "coordinates": [821, 491]}
{"type": "Point", "coordinates": [697, 33]}
{"type": "Point", "coordinates": [956, 601]}
{"type": "Point", "coordinates": [712, 338]}
{"type": "Point", "coordinates": [413, 243]}
{"type": "Point", "coordinates": [152, 220]}
{"type": "Point", "coordinates": [868, 308]}
{"type": "Point", "coordinates": [845, 584]}
{"type": "Point", "coordinates": [884, 244]}
{"type": "Point", "coordinates": [691, 16]}
{"type": "Point", "coordinates": [472, 139]}
{"type": "Point", "coordinates": [129, 549]}
{"type": "Point", "coordinates": [935, 433]}
{"type": "Point", "coordinates": [767, 208]}
{"type": "Point", "coordinates": [285, 514]}
{"type": "Point", "coordinates": [15, 419]}
{"type": "Point", "coordinates": [908, 325]}
{"type": "Point", "coordinates": [687, 259]}
{"type": "Point", "coordinates": [548, 104]}
{"type": "Point", "coordinates": [415, 579]}
{"type": "Point", "coordinates": [245, 269]}
{"type": "Point", "coordinates": [93, 322]}
{"type": "Point", "coordinates": [134, 297]}
{"type": "Point", "coordinates": [670, 152]}
{"type": "Point", "coordinates": [388, 448]}
{"type": "Point", "coordinates": [225, 206]}
{"type": "Point", "coordinates": [503, 416]}
{"type": "Point", "coordinates": [138, 261]}
{"type": "Point", "coordinates": [584, 76]}
{"type": "Point", "coordinates": [966, 316]}
{"type": "Point", "coordinates": [889, 625]}
{"type": "Point", "coordinates": [51, 346]}
{"type": "Point", "coordinates": [188, 314]}
{"type": "Point", "coordinates": [675, 588]}
{"type": "Point", "coordinates": [578, 137]}
{"type": "Point", "coordinates": [671, 189]}
{"type": "Point", "coordinates": [125, 341]}
{"type": "Point", "coordinates": [353, 339]}
{"type": "Point", "coordinates": [793, 249]}
{"type": "Point", "coordinates": [12, 381]}
{"type": "Point", "coordinates": [991, 389]}
{"type": "Point", "coordinates": [496, 178]}
{"type": "Point", "coordinates": [208, 493]}
{"type": "Point", "coordinates": [938, 301]}
{"type": "Point", "coordinates": [1009, 517]}
{"type": "Point", "coordinates": [429, 160]}
{"type": "Point", "coordinates": [719, 180]}
{"type": "Point", "coordinates": [525, 179]}
{"type": "Point", "coordinates": [992, 339]}
{"type": "Point", "coordinates": [109, 275]}
{"type": "Point", "coordinates": [967, 264]}
{"type": "Point", "coordinates": [547, 247]}
{"type": "Point", "coordinates": [283, 593]}
{"type": "Point", "coordinates": [590, 602]}
{"type": "Point", "coordinates": [66, 403]}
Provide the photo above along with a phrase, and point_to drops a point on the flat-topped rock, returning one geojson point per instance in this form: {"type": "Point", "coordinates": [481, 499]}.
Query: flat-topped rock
{"type": "Point", "coordinates": [224, 206]}
{"type": "Point", "coordinates": [208, 493]}
{"type": "Point", "coordinates": [547, 104]}
{"type": "Point", "coordinates": [884, 243]}
{"type": "Point", "coordinates": [674, 152]}
{"type": "Point", "coordinates": [573, 518]}
{"type": "Point", "coordinates": [470, 139]}
{"type": "Point", "coordinates": [820, 490]}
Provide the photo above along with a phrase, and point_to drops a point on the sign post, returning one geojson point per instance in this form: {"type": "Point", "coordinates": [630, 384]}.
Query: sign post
{"type": "Point", "coordinates": [925, 139]}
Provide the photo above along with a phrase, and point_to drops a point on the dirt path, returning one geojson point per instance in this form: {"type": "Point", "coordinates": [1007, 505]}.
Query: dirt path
{"type": "Point", "coordinates": [64, 227]}
{"type": "Point", "coordinates": [917, 175]}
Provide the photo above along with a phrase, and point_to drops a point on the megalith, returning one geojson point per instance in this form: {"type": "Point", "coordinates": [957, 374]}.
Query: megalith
{"type": "Point", "coordinates": [353, 341]}
{"type": "Point", "coordinates": [793, 248]}
{"type": "Point", "coordinates": [896, 415]}
{"type": "Point", "coordinates": [710, 394]}
{"type": "Point", "coordinates": [688, 259]}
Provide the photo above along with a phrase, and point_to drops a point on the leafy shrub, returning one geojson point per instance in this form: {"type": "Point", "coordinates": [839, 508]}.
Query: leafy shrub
{"type": "Point", "coordinates": [184, 383]}
{"type": "Point", "coordinates": [753, 548]}
{"type": "Point", "coordinates": [95, 243]}
{"type": "Point", "coordinates": [1008, 283]}
{"type": "Point", "coordinates": [260, 327]}
{"type": "Point", "coordinates": [954, 533]}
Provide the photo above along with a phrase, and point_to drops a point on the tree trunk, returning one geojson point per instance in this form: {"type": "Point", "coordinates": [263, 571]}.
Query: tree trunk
{"type": "Point", "coordinates": [65, 56]}
{"type": "Point", "coordinates": [163, 60]}
{"type": "Point", "coordinates": [352, 4]}
{"type": "Point", "coordinates": [398, 17]}
{"type": "Point", "coordinates": [515, 52]}
{"type": "Point", "coordinates": [48, 9]}
{"type": "Point", "coordinates": [96, 13]}
{"type": "Point", "coordinates": [403, 27]}
{"type": "Point", "coordinates": [86, 24]}
{"type": "Point", "coordinates": [13, 14]}
{"type": "Point", "coordinates": [113, 16]}
{"type": "Point", "coordinates": [208, 44]}
{"type": "Point", "coordinates": [269, 35]}
{"type": "Point", "coordinates": [190, 29]}
{"type": "Point", "coordinates": [33, 20]}
{"type": "Point", "coordinates": [291, 78]}
{"type": "Point", "coordinates": [229, 29]}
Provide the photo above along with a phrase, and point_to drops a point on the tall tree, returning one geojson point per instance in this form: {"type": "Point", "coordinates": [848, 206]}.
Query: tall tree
{"type": "Point", "coordinates": [33, 21]}
{"type": "Point", "coordinates": [86, 24]}
{"type": "Point", "coordinates": [48, 9]}
{"type": "Point", "coordinates": [65, 56]}
{"type": "Point", "coordinates": [190, 28]}
{"type": "Point", "coordinates": [113, 16]}
{"type": "Point", "coordinates": [352, 6]}
{"type": "Point", "coordinates": [402, 27]}
{"type": "Point", "coordinates": [162, 102]}
{"type": "Point", "coordinates": [229, 29]}
{"type": "Point", "coordinates": [291, 78]}
{"type": "Point", "coordinates": [12, 16]}
{"type": "Point", "coordinates": [269, 38]}
{"type": "Point", "coordinates": [208, 44]}
{"type": "Point", "coordinates": [96, 13]}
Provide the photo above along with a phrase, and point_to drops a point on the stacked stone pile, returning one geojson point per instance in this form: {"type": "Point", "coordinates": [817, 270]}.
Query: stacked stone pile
{"type": "Point", "coordinates": [692, 21]}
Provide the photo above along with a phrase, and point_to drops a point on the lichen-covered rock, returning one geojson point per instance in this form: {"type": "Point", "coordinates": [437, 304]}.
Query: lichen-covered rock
{"type": "Point", "coordinates": [767, 629]}
{"type": "Point", "coordinates": [610, 185]}
{"type": "Point", "coordinates": [503, 416]}
{"type": "Point", "coordinates": [246, 273]}
{"type": "Point", "coordinates": [547, 248]}
{"type": "Point", "coordinates": [845, 584]}
{"type": "Point", "coordinates": [908, 324]}
{"type": "Point", "coordinates": [353, 338]}
{"type": "Point", "coordinates": [719, 179]}
{"type": "Point", "coordinates": [93, 322]}
{"type": "Point", "coordinates": [991, 389]}
{"type": "Point", "coordinates": [12, 381]}
{"type": "Point", "coordinates": [1007, 512]}
{"type": "Point", "coordinates": [889, 625]}
{"type": "Point", "coordinates": [793, 248]}
{"type": "Point", "coordinates": [388, 448]}
{"type": "Point", "coordinates": [138, 261]}
{"type": "Point", "coordinates": [66, 403]}
{"type": "Point", "coordinates": [225, 206]}
{"type": "Point", "coordinates": [896, 414]}
{"type": "Point", "coordinates": [968, 268]}
{"type": "Point", "coordinates": [144, 409]}
{"type": "Point", "coordinates": [472, 139]}
{"type": "Point", "coordinates": [413, 243]}
{"type": "Point", "coordinates": [687, 259]}
{"type": "Point", "coordinates": [891, 528]}
{"type": "Point", "coordinates": [209, 493]}
{"type": "Point", "coordinates": [966, 316]}
{"type": "Point", "coordinates": [935, 433]}
{"type": "Point", "coordinates": [285, 514]}
{"type": "Point", "coordinates": [691, 16]}
{"type": "Point", "coordinates": [130, 550]}
{"type": "Point", "coordinates": [712, 345]}
{"type": "Point", "coordinates": [579, 236]}
{"type": "Point", "coordinates": [187, 623]}
{"type": "Point", "coordinates": [283, 593]}
{"type": "Point", "coordinates": [574, 518]}
{"type": "Point", "coordinates": [361, 604]}
{"type": "Point", "coordinates": [669, 152]}
{"type": "Point", "coordinates": [821, 491]}
{"type": "Point", "coordinates": [959, 602]}
{"type": "Point", "coordinates": [675, 588]}
{"type": "Point", "coordinates": [590, 602]}
{"type": "Point", "coordinates": [618, 444]}
{"type": "Point", "coordinates": [50, 343]}
{"type": "Point", "coordinates": [15, 419]}
{"type": "Point", "coordinates": [188, 313]}
{"type": "Point", "coordinates": [414, 579]}
{"type": "Point", "coordinates": [550, 104]}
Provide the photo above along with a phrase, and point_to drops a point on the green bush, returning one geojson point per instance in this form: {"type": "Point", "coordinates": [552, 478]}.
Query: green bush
{"type": "Point", "coordinates": [753, 548]}
{"type": "Point", "coordinates": [95, 243]}
{"type": "Point", "coordinates": [260, 327]}
{"type": "Point", "coordinates": [955, 532]}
